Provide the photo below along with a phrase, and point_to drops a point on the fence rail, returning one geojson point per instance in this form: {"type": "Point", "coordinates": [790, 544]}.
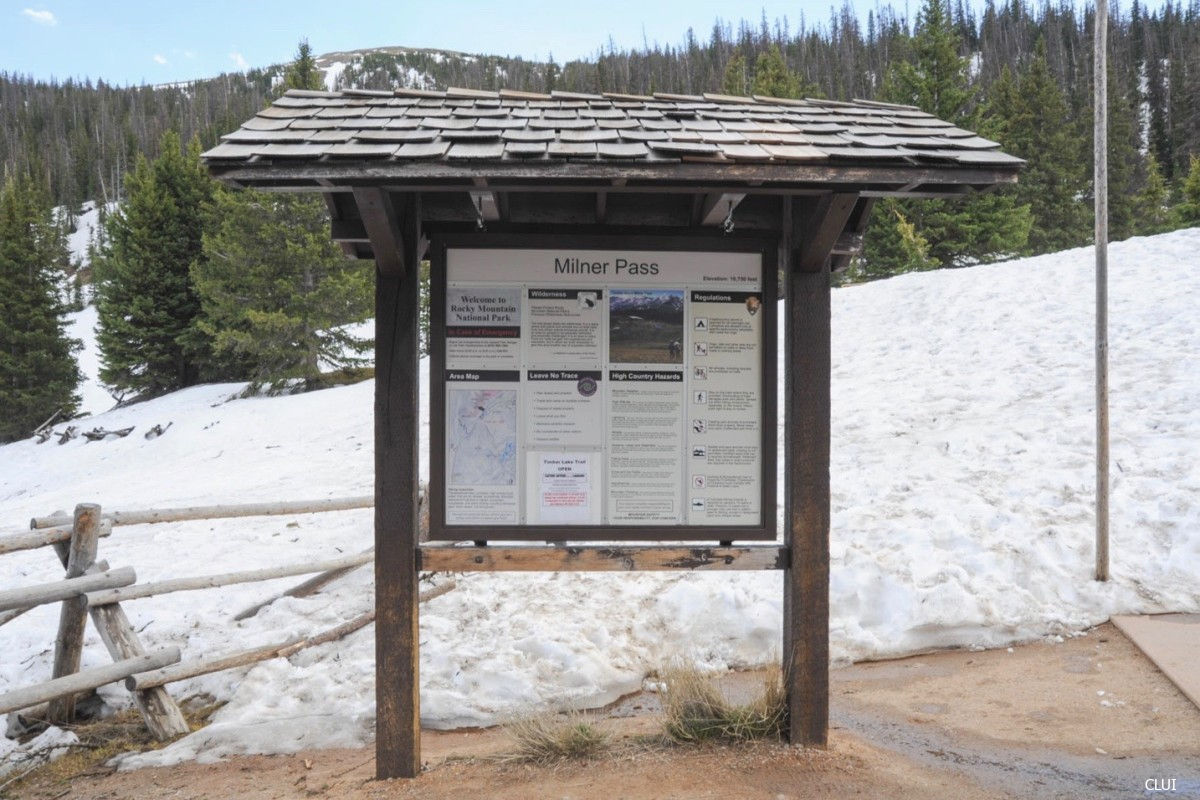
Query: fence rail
{"type": "Point", "coordinates": [45, 536]}
{"type": "Point", "coordinates": [42, 593]}
{"type": "Point", "coordinates": [119, 595]}
{"type": "Point", "coordinates": [77, 682]}
{"type": "Point", "coordinates": [156, 515]}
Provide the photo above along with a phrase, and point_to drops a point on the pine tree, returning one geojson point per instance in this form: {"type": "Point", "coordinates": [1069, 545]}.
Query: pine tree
{"type": "Point", "coordinates": [38, 374]}
{"type": "Point", "coordinates": [1124, 159]}
{"type": "Point", "coordinates": [978, 229]}
{"type": "Point", "coordinates": [147, 303]}
{"type": "Point", "coordinates": [276, 291]}
{"type": "Point", "coordinates": [936, 80]}
{"type": "Point", "coordinates": [1152, 209]}
{"type": "Point", "coordinates": [303, 72]}
{"type": "Point", "coordinates": [1031, 120]}
{"type": "Point", "coordinates": [1189, 209]}
{"type": "Point", "coordinates": [735, 81]}
{"type": "Point", "coordinates": [897, 246]}
{"type": "Point", "coordinates": [772, 78]}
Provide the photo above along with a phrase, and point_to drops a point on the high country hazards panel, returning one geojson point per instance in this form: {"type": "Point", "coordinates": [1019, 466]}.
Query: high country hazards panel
{"type": "Point", "coordinates": [597, 387]}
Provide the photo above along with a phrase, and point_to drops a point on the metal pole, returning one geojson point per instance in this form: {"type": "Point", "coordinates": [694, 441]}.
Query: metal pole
{"type": "Point", "coordinates": [1101, 193]}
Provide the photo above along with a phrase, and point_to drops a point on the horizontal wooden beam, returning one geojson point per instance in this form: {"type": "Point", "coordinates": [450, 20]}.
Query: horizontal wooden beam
{"type": "Point", "coordinates": [504, 176]}
{"type": "Point", "coordinates": [530, 558]}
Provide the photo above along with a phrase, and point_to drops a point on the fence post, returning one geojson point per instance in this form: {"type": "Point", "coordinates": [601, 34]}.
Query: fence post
{"type": "Point", "coordinates": [68, 645]}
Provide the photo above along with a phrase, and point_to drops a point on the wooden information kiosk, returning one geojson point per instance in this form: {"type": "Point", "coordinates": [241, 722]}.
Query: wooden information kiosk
{"type": "Point", "coordinates": [604, 275]}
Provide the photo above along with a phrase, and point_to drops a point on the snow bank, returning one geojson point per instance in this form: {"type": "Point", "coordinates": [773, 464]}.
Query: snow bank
{"type": "Point", "coordinates": [962, 482]}
{"type": "Point", "coordinates": [50, 744]}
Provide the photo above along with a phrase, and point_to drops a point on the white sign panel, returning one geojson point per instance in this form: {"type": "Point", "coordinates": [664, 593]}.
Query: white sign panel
{"type": "Point", "coordinates": [603, 388]}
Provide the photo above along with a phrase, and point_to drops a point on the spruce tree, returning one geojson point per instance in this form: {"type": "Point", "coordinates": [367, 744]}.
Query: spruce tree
{"type": "Point", "coordinates": [935, 80]}
{"type": "Point", "coordinates": [1152, 204]}
{"type": "Point", "coordinates": [303, 72]}
{"type": "Point", "coordinates": [978, 229]}
{"type": "Point", "coordinates": [895, 248]}
{"type": "Point", "coordinates": [38, 374]}
{"type": "Point", "coordinates": [1189, 210]}
{"type": "Point", "coordinates": [1030, 118]}
{"type": "Point", "coordinates": [735, 80]}
{"type": "Point", "coordinates": [1124, 159]}
{"type": "Point", "coordinates": [149, 343]}
{"type": "Point", "coordinates": [277, 292]}
{"type": "Point", "coordinates": [772, 78]}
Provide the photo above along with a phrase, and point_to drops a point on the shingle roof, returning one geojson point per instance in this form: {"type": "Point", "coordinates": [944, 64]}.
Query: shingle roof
{"type": "Point", "coordinates": [466, 126]}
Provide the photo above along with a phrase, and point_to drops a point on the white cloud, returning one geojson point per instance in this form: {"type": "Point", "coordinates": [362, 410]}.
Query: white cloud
{"type": "Point", "coordinates": [238, 60]}
{"type": "Point", "coordinates": [189, 53]}
{"type": "Point", "coordinates": [159, 58]}
{"type": "Point", "coordinates": [42, 17]}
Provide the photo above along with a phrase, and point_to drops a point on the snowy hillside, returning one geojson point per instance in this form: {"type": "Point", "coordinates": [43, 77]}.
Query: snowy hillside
{"type": "Point", "coordinates": [409, 67]}
{"type": "Point", "coordinates": [962, 489]}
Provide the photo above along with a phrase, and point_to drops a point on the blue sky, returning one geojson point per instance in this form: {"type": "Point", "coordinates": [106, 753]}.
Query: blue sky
{"type": "Point", "coordinates": [156, 41]}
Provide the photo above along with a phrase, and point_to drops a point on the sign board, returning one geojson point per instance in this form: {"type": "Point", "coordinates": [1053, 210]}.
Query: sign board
{"type": "Point", "coordinates": [602, 392]}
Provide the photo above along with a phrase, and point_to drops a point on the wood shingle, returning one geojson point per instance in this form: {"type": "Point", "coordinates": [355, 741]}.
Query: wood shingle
{"type": "Point", "coordinates": [409, 126]}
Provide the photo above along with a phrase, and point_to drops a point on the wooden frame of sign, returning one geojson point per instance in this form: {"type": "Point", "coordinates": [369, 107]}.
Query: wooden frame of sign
{"type": "Point", "coordinates": [764, 439]}
{"type": "Point", "coordinates": [804, 232]}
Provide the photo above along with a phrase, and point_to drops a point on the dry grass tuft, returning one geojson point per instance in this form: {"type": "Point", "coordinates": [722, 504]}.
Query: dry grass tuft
{"type": "Point", "coordinates": [547, 738]}
{"type": "Point", "coordinates": [99, 741]}
{"type": "Point", "coordinates": [695, 709]}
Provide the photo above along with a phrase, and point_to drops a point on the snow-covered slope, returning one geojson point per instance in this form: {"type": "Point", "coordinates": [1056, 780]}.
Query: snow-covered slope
{"type": "Point", "coordinates": [962, 488]}
{"type": "Point", "coordinates": [87, 225]}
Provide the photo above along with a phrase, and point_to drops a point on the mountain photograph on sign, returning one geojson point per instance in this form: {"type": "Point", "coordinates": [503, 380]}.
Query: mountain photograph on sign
{"type": "Point", "coordinates": [645, 326]}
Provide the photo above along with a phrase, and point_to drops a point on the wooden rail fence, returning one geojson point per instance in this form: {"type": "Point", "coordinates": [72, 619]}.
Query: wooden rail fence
{"type": "Point", "coordinates": [90, 588]}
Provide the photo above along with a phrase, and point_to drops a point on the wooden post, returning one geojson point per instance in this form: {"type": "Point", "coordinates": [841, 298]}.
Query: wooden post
{"type": "Point", "coordinates": [68, 645]}
{"type": "Point", "coordinates": [811, 228]}
{"type": "Point", "coordinates": [159, 710]}
{"type": "Point", "coordinates": [395, 234]}
{"type": "Point", "coordinates": [161, 713]}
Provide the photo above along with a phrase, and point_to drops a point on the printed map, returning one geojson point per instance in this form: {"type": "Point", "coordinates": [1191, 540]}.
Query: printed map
{"type": "Point", "coordinates": [482, 437]}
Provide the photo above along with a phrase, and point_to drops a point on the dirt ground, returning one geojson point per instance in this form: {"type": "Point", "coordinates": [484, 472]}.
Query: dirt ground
{"type": "Point", "coordinates": [1087, 718]}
